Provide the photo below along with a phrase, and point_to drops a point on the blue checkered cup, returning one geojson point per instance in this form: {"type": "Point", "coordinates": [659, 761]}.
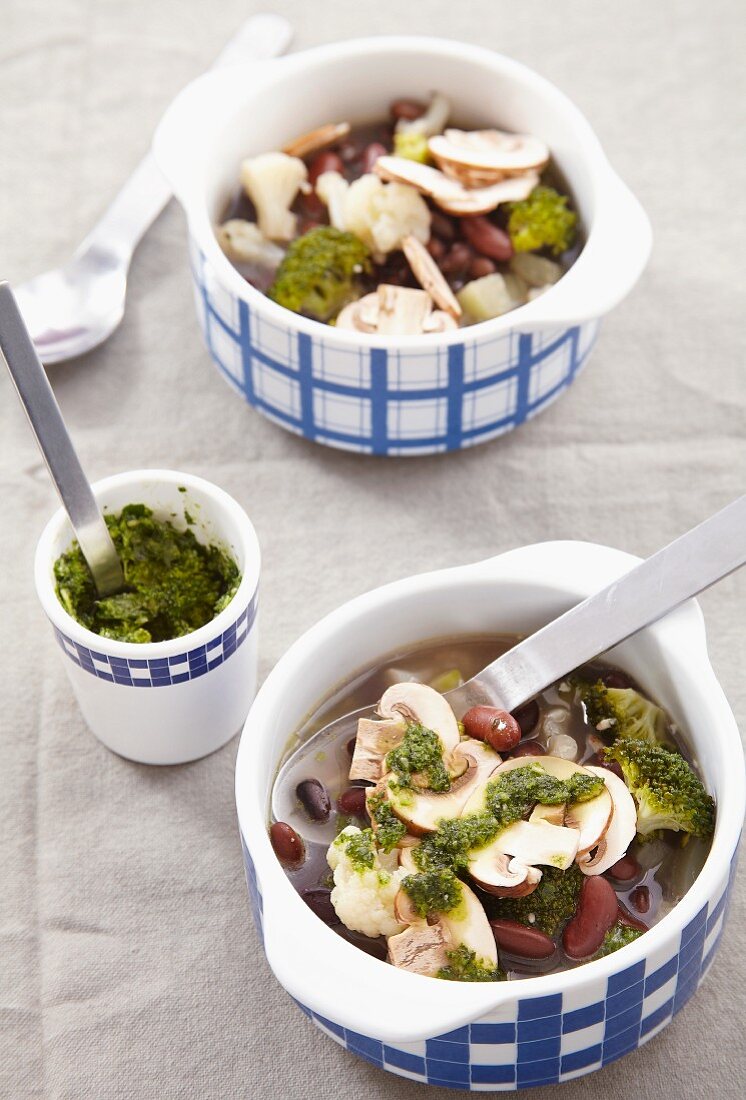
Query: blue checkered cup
{"type": "Point", "coordinates": [395, 395]}
{"type": "Point", "coordinates": [512, 1034]}
{"type": "Point", "coordinates": [172, 701]}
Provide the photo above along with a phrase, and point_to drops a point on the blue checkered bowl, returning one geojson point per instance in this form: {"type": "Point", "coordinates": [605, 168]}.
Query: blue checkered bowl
{"type": "Point", "coordinates": [490, 1037]}
{"type": "Point", "coordinates": [405, 395]}
{"type": "Point", "coordinates": [163, 702]}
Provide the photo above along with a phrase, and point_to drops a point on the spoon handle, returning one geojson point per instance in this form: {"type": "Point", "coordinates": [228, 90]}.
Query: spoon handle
{"type": "Point", "coordinates": [46, 421]}
{"type": "Point", "coordinates": [656, 586]}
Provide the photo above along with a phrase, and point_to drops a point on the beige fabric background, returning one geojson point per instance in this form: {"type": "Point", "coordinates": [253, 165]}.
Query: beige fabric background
{"type": "Point", "coordinates": [128, 964]}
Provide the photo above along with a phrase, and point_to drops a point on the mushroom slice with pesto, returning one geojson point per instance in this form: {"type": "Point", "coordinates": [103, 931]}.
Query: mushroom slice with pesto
{"type": "Point", "coordinates": [621, 831]}
{"type": "Point", "coordinates": [421, 810]}
{"type": "Point", "coordinates": [402, 705]}
{"type": "Point", "coordinates": [434, 933]}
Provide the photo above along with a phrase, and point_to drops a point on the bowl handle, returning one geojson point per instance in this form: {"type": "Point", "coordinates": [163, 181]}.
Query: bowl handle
{"type": "Point", "coordinates": [610, 264]}
{"type": "Point", "coordinates": [179, 139]}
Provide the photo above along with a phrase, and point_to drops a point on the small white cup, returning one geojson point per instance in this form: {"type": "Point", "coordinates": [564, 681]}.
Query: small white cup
{"type": "Point", "coordinates": [163, 702]}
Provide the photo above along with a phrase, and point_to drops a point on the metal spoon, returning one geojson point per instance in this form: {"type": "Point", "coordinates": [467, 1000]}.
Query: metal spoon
{"type": "Point", "coordinates": [650, 590]}
{"type": "Point", "coordinates": [56, 446]}
{"type": "Point", "coordinates": [76, 307]}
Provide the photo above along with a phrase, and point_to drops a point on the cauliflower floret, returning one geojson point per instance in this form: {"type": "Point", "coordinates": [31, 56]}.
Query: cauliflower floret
{"type": "Point", "coordinates": [383, 214]}
{"type": "Point", "coordinates": [332, 188]}
{"type": "Point", "coordinates": [363, 897]}
{"type": "Point", "coordinates": [271, 181]}
{"type": "Point", "coordinates": [244, 242]}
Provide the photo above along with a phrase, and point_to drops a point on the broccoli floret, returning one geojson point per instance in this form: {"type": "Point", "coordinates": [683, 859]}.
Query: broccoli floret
{"type": "Point", "coordinates": [542, 221]}
{"type": "Point", "coordinates": [321, 273]}
{"type": "Point", "coordinates": [624, 712]}
{"type": "Point", "coordinates": [553, 901]}
{"type": "Point", "coordinates": [619, 935]}
{"type": "Point", "coordinates": [667, 792]}
{"type": "Point", "coordinates": [464, 966]}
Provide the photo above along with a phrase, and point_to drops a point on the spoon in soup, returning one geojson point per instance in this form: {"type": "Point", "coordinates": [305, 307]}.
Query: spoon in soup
{"type": "Point", "coordinates": [45, 418]}
{"type": "Point", "coordinates": [646, 593]}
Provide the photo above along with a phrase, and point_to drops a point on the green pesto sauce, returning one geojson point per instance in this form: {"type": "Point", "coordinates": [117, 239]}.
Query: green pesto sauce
{"type": "Point", "coordinates": [173, 584]}
{"type": "Point", "coordinates": [552, 903]}
{"type": "Point", "coordinates": [390, 829]}
{"type": "Point", "coordinates": [360, 849]}
{"type": "Point", "coordinates": [420, 752]}
{"type": "Point", "coordinates": [619, 935]}
{"type": "Point", "coordinates": [464, 966]}
{"type": "Point", "coordinates": [434, 892]}
{"type": "Point", "coordinates": [508, 798]}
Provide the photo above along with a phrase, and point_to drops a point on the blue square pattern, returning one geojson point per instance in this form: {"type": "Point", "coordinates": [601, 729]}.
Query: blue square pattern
{"type": "Point", "coordinates": [380, 401]}
{"type": "Point", "coordinates": [162, 671]}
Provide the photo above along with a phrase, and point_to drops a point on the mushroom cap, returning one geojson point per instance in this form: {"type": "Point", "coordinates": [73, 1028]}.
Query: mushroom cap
{"type": "Point", "coordinates": [538, 842]}
{"type": "Point", "coordinates": [402, 311]}
{"type": "Point", "coordinates": [319, 138]}
{"type": "Point", "coordinates": [421, 810]}
{"type": "Point", "coordinates": [420, 703]}
{"type": "Point", "coordinates": [467, 924]}
{"type": "Point", "coordinates": [449, 194]}
{"type": "Point", "coordinates": [422, 950]}
{"type": "Point", "coordinates": [621, 830]}
{"type": "Point", "coordinates": [590, 819]}
{"type": "Point", "coordinates": [487, 155]}
{"type": "Point", "coordinates": [363, 315]}
{"type": "Point", "coordinates": [503, 875]}
{"type": "Point", "coordinates": [429, 276]}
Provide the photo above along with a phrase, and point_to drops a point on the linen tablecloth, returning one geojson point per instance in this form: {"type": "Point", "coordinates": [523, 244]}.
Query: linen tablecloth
{"type": "Point", "coordinates": [129, 967]}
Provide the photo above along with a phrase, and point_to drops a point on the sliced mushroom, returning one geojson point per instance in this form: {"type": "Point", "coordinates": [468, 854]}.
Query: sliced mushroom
{"type": "Point", "coordinates": [402, 310]}
{"type": "Point", "coordinates": [478, 158]}
{"type": "Point", "coordinates": [422, 810]}
{"type": "Point", "coordinates": [622, 828]}
{"type": "Point", "coordinates": [555, 815]}
{"type": "Point", "coordinates": [503, 875]}
{"type": "Point", "coordinates": [537, 843]}
{"type": "Point", "coordinates": [423, 947]}
{"type": "Point", "coordinates": [449, 194]}
{"type": "Point", "coordinates": [319, 138]}
{"type": "Point", "coordinates": [423, 704]}
{"type": "Point", "coordinates": [590, 819]}
{"type": "Point", "coordinates": [374, 740]}
{"type": "Point", "coordinates": [429, 276]}
{"type": "Point", "coordinates": [362, 316]}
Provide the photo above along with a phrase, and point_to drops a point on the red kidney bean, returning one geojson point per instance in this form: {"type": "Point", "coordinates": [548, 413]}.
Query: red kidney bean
{"type": "Point", "coordinates": [371, 153]}
{"type": "Point", "coordinates": [318, 898]}
{"type": "Point", "coordinates": [458, 258]}
{"type": "Point", "coordinates": [325, 161]}
{"type": "Point", "coordinates": [625, 869]}
{"type": "Point", "coordinates": [314, 799]}
{"type": "Point", "coordinates": [406, 108]}
{"type": "Point", "coordinates": [352, 801]}
{"type": "Point", "coordinates": [487, 238]}
{"type": "Point", "coordinates": [481, 266]}
{"type": "Point", "coordinates": [625, 917]}
{"type": "Point", "coordinates": [600, 761]}
{"type": "Point", "coordinates": [527, 717]}
{"type": "Point", "coordinates": [516, 938]}
{"type": "Point", "coordinates": [442, 226]}
{"type": "Point", "coordinates": [498, 728]}
{"type": "Point", "coordinates": [436, 248]}
{"type": "Point", "coordinates": [639, 899]}
{"type": "Point", "coordinates": [287, 844]}
{"type": "Point", "coordinates": [348, 151]}
{"type": "Point", "coordinates": [527, 748]}
{"type": "Point", "coordinates": [350, 746]}
{"type": "Point", "coordinates": [378, 948]}
{"type": "Point", "coordinates": [616, 679]}
{"type": "Point", "coordinates": [596, 913]}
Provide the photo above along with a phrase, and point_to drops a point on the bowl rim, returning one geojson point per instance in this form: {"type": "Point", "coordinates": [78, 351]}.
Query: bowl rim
{"type": "Point", "coordinates": [682, 629]}
{"type": "Point", "coordinates": [201, 227]}
{"type": "Point", "coordinates": [62, 620]}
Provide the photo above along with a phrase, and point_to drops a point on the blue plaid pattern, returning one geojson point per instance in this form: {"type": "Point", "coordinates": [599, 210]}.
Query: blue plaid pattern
{"type": "Point", "coordinates": [161, 671]}
{"type": "Point", "coordinates": [383, 402]}
{"type": "Point", "coordinates": [548, 1040]}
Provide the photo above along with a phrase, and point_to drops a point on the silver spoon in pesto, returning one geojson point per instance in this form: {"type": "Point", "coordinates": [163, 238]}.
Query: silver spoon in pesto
{"type": "Point", "coordinates": [648, 591]}
{"type": "Point", "coordinates": [54, 441]}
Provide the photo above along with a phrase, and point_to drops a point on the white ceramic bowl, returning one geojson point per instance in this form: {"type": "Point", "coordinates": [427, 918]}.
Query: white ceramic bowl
{"type": "Point", "coordinates": [529, 1032]}
{"type": "Point", "coordinates": [163, 702]}
{"type": "Point", "coordinates": [397, 395]}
